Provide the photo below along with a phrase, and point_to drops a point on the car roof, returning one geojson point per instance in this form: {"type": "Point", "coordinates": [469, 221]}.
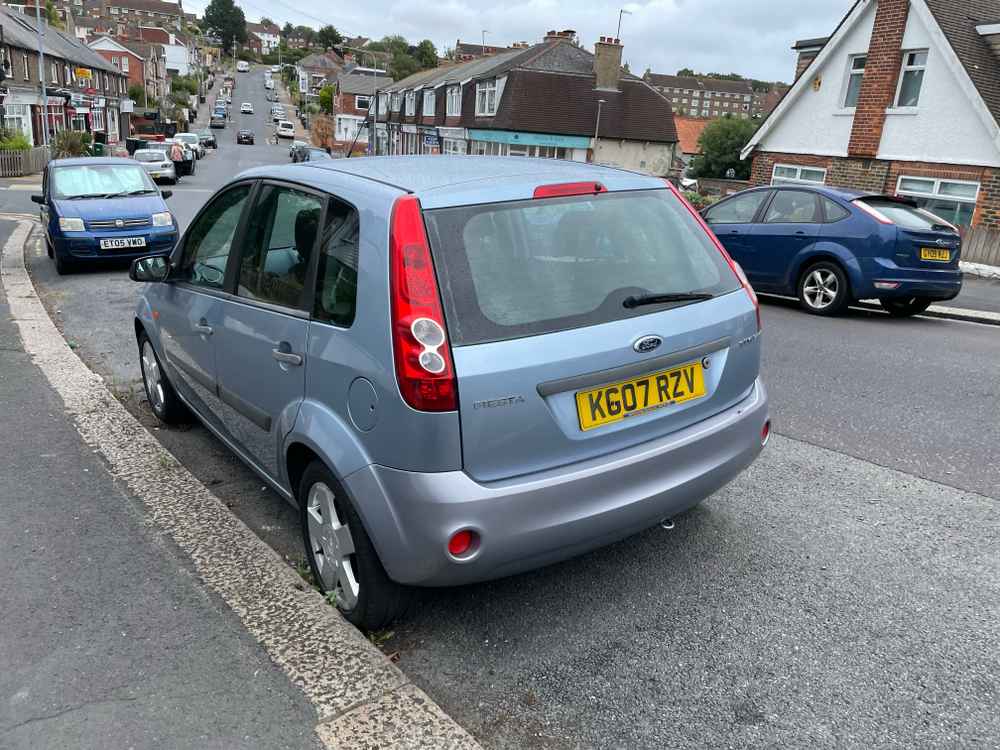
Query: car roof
{"type": "Point", "coordinates": [844, 194]}
{"type": "Point", "coordinates": [93, 161]}
{"type": "Point", "coordinates": [444, 180]}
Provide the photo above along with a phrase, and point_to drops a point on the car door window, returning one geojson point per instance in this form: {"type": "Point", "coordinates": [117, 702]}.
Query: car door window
{"type": "Point", "coordinates": [337, 274]}
{"type": "Point", "coordinates": [792, 207]}
{"type": "Point", "coordinates": [281, 234]}
{"type": "Point", "coordinates": [210, 238]}
{"type": "Point", "coordinates": [833, 211]}
{"type": "Point", "coordinates": [738, 210]}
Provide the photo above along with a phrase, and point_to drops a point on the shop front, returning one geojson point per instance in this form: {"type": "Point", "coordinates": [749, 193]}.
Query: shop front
{"type": "Point", "coordinates": [514, 143]}
{"type": "Point", "coordinates": [453, 140]}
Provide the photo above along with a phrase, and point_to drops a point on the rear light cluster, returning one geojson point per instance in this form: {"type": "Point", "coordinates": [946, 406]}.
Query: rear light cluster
{"type": "Point", "coordinates": [424, 369]}
{"type": "Point", "coordinates": [744, 281]}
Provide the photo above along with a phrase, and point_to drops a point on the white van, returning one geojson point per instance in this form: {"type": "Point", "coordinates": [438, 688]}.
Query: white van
{"type": "Point", "coordinates": [242, 66]}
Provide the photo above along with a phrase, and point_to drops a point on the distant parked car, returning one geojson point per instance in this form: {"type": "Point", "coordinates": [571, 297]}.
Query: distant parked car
{"type": "Point", "coordinates": [156, 161]}
{"type": "Point", "coordinates": [246, 108]}
{"type": "Point", "coordinates": [207, 137]}
{"type": "Point", "coordinates": [244, 136]}
{"type": "Point", "coordinates": [314, 154]}
{"type": "Point", "coordinates": [193, 141]}
{"type": "Point", "coordinates": [217, 121]}
{"type": "Point", "coordinates": [102, 208]}
{"type": "Point", "coordinates": [458, 369]}
{"type": "Point", "coordinates": [831, 246]}
{"type": "Point", "coordinates": [294, 148]}
{"type": "Point", "coordinates": [286, 129]}
{"type": "Point", "coordinates": [275, 68]}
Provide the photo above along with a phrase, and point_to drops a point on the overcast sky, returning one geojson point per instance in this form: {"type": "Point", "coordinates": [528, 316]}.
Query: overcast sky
{"type": "Point", "coordinates": [751, 37]}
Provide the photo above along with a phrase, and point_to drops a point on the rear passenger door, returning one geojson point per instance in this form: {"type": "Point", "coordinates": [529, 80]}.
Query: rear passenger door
{"type": "Point", "coordinates": [732, 221]}
{"type": "Point", "coordinates": [261, 345]}
{"type": "Point", "coordinates": [791, 223]}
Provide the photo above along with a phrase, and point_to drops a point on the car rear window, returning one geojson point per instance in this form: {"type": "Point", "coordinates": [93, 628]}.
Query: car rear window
{"type": "Point", "coordinates": [150, 156]}
{"type": "Point", "coordinates": [906, 216]}
{"type": "Point", "coordinates": [509, 270]}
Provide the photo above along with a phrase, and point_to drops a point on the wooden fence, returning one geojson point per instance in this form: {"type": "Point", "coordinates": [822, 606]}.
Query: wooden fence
{"type": "Point", "coordinates": [20, 163]}
{"type": "Point", "coordinates": [981, 245]}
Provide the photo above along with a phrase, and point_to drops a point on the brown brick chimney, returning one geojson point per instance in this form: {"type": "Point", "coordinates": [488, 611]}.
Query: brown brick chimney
{"type": "Point", "coordinates": [607, 63]}
{"type": "Point", "coordinates": [878, 87]}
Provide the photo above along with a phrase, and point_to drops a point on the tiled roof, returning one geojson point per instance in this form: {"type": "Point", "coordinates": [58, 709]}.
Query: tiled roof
{"type": "Point", "coordinates": [20, 31]}
{"type": "Point", "coordinates": [321, 60]}
{"type": "Point", "coordinates": [156, 6]}
{"type": "Point", "coordinates": [359, 83]}
{"type": "Point", "coordinates": [688, 132]}
{"type": "Point", "coordinates": [471, 48]}
{"type": "Point", "coordinates": [958, 21]}
{"type": "Point", "coordinates": [542, 102]}
{"type": "Point", "coordinates": [258, 28]}
{"type": "Point", "coordinates": [699, 84]}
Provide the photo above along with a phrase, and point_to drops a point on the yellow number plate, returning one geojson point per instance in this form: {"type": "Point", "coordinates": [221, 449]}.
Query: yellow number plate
{"type": "Point", "coordinates": [613, 403]}
{"type": "Point", "coordinates": [935, 253]}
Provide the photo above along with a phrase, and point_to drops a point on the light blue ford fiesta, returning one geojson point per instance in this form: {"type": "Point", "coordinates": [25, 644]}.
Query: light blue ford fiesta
{"type": "Point", "coordinates": [458, 368]}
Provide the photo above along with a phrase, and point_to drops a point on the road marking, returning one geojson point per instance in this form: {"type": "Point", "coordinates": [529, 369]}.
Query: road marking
{"type": "Point", "coordinates": [349, 682]}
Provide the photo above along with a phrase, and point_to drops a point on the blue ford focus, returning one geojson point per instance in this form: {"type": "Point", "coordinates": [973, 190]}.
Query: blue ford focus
{"type": "Point", "coordinates": [102, 209]}
{"type": "Point", "coordinates": [831, 246]}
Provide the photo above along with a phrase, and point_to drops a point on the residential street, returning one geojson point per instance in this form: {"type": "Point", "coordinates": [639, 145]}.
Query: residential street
{"type": "Point", "coordinates": [845, 591]}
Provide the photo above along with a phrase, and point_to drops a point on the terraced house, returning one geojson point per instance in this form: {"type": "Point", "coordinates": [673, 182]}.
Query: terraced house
{"type": "Point", "coordinates": [79, 90]}
{"type": "Point", "coordinates": [902, 98]}
{"type": "Point", "coordinates": [552, 99]}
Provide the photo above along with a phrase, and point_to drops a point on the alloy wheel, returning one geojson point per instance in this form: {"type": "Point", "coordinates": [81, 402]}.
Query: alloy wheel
{"type": "Point", "coordinates": [820, 288]}
{"type": "Point", "coordinates": [332, 545]}
{"type": "Point", "coordinates": [152, 376]}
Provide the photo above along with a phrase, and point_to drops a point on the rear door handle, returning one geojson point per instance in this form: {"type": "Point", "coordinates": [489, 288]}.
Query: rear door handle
{"type": "Point", "coordinates": [287, 358]}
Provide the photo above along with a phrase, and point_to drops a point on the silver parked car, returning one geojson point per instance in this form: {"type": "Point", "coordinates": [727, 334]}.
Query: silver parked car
{"type": "Point", "coordinates": [157, 163]}
{"type": "Point", "coordinates": [458, 368]}
{"type": "Point", "coordinates": [192, 141]}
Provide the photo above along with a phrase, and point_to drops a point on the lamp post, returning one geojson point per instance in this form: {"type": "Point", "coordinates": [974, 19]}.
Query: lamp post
{"type": "Point", "coordinates": [597, 126]}
{"type": "Point", "coordinates": [41, 72]}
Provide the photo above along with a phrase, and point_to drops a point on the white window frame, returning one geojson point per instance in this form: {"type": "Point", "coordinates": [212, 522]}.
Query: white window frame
{"type": "Point", "coordinates": [411, 103]}
{"type": "Point", "coordinates": [910, 69]}
{"type": "Point", "coordinates": [429, 97]}
{"type": "Point", "coordinates": [124, 65]}
{"type": "Point", "coordinates": [357, 101]}
{"type": "Point", "coordinates": [936, 193]}
{"type": "Point", "coordinates": [27, 69]}
{"type": "Point", "coordinates": [851, 72]}
{"type": "Point", "coordinates": [383, 103]}
{"type": "Point", "coordinates": [487, 98]}
{"type": "Point", "coordinates": [797, 180]}
{"type": "Point", "coordinates": [453, 101]}
{"type": "Point", "coordinates": [395, 101]}
{"type": "Point", "coordinates": [54, 72]}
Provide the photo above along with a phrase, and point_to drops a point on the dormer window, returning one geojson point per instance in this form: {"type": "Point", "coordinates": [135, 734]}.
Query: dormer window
{"type": "Point", "coordinates": [428, 103]}
{"type": "Point", "coordinates": [411, 103]}
{"type": "Point", "coordinates": [454, 101]}
{"type": "Point", "coordinates": [486, 98]}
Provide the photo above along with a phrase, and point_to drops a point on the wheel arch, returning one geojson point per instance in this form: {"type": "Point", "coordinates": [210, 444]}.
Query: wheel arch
{"type": "Point", "coordinates": [830, 253]}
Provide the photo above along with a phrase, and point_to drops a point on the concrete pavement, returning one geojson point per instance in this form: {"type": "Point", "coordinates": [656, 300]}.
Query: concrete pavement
{"type": "Point", "coordinates": [108, 639]}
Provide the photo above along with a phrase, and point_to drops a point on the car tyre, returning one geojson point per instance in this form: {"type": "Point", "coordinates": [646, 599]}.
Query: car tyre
{"type": "Point", "coordinates": [905, 307]}
{"type": "Point", "coordinates": [49, 249]}
{"type": "Point", "coordinates": [64, 265]}
{"type": "Point", "coordinates": [163, 399]}
{"type": "Point", "coordinates": [823, 289]}
{"type": "Point", "coordinates": [342, 557]}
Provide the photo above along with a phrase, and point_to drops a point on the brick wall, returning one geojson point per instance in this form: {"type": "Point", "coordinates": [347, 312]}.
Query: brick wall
{"type": "Point", "coordinates": [762, 167]}
{"type": "Point", "coordinates": [878, 87]}
{"type": "Point", "coordinates": [878, 176]}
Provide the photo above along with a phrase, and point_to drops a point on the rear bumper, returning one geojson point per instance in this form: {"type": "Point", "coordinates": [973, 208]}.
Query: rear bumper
{"type": "Point", "coordinates": [931, 283]}
{"type": "Point", "coordinates": [543, 518]}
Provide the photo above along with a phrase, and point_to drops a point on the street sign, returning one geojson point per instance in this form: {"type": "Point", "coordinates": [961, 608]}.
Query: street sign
{"type": "Point", "coordinates": [83, 73]}
{"type": "Point", "coordinates": [430, 140]}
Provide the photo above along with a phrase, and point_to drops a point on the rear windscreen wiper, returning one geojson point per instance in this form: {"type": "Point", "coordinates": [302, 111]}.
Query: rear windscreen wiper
{"type": "Point", "coordinates": [662, 299]}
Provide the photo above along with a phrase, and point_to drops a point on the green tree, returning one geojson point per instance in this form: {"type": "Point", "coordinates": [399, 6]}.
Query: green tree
{"type": "Point", "coordinates": [686, 73]}
{"type": "Point", "coordinates": [721, 143]}
{"type": "Point", "coordinates": [426, 54]}
{"type": "Point", "coordinates": [326, 99]}
{"type": "Point", "coordinates": [328, 36]}
{"type": "Point", "coordinates": [265, 21]}
{"type": "Point", "coordinates": [226, 21]}
{"type": "Point", "coordinates": [402, 66]}
{"type": "Point", "coordinates": [137, 94]}
{"type": "Point", "coordinates": [287, 30]}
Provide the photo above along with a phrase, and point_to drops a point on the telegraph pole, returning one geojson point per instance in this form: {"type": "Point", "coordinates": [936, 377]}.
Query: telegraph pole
{"type": "Point", "coordinates": [41, 72]}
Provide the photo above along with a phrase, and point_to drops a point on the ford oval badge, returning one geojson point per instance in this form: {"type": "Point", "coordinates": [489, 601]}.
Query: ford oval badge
{"type": "Point", "coordinates": [647, 344]}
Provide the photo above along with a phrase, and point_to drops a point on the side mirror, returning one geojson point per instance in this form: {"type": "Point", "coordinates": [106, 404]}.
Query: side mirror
{"type": "Point", "coordinates": [166, 193]}
{"type": "Point", "coordinates": [150, 269]}
{"type": "Point", "coordinates": [39, 199]}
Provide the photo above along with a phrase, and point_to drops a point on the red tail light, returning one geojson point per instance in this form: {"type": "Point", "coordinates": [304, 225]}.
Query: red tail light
{"type": "Point", "coordinates": [424, 369]}
{"type": "Point", "coordinates": [563, 189]}
{"type": "Point", "coordinates": [715, 240]}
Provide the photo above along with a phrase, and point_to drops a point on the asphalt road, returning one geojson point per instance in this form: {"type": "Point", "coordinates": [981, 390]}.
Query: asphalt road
{"type": "Point", "coordinates": [843, 592]}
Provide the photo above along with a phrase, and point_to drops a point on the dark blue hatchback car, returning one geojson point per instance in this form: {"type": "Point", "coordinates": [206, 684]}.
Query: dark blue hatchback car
{"type": "Point", "coordinates": [103, 209]}
{"type": "Point", "coordinates": [830, 247]}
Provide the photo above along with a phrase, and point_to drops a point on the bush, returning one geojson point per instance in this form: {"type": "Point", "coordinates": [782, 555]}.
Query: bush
{"type": "Point", "coordinates": [698, 200]}
{"type": "Point", "coordinates": [14, 141]}
{"type": "Point", "coordinates": [70, 143]}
